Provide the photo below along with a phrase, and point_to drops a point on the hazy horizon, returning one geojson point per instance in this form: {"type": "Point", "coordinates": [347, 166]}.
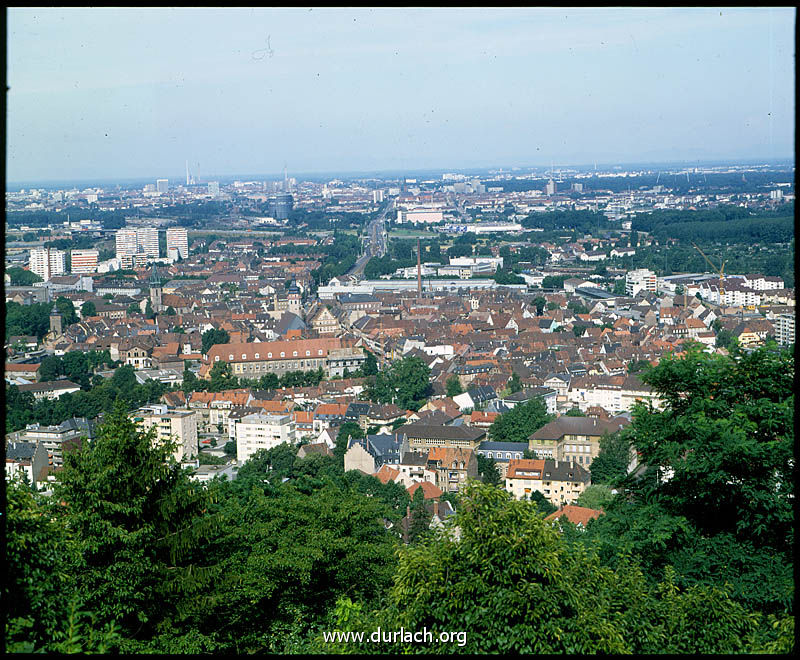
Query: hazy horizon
{"type": "Point", "coordinates": [111, 94]}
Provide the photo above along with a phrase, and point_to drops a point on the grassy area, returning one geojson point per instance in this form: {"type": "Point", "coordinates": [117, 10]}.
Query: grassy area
{"type": "Point", "coordinates": [410, 233]}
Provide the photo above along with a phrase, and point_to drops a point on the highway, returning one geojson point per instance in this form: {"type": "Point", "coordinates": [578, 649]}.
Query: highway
{"type": "Point", "coordinates": [375, 241]}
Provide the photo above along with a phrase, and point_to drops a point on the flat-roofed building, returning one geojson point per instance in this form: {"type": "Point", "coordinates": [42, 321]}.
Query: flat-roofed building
{"type": "Point", "coordinates": [47, 262]}
{"type": "Point", "coordinates": [84, 261]}
{"type": "Point", "coordinates": [147, 241]}
{"type": "Point", "coordinates": [180, 425]}
{"type": "Point", "coordinates": [177, 239]}
{"type": "Point", "coordinates": [262, 431]}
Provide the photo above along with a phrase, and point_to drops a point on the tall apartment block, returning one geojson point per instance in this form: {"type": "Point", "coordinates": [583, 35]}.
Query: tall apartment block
{"type": "Point", "coordinates": [47, 262]}
{"type": "Point", "coordinates": [147, 241]}
{"type": "Point", "coordinates": [177, 239]}
{"type": "Point", "coordinates": [84, 261]}
{"type": "Point", "coordinates": [162, 185]}
{"type": "Point", "coordinates": [126, 242]}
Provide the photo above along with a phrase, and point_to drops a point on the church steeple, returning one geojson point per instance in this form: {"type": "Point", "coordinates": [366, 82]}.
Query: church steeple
{"type": "Point", "coordinates": [155, 290]}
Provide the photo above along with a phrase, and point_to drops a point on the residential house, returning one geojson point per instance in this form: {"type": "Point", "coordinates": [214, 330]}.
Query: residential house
{"type": "Point", "coordinates": [561, 482]}
{"type": "Point", "coordinates": [453, 467]}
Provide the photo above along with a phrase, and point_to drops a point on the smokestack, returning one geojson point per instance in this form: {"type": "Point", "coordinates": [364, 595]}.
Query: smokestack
{"type": "Point", "coordinates": [419, 272]}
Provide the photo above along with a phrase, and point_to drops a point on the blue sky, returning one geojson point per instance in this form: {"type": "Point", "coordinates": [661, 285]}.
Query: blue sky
{"type": "Point", "coordinates": [112, 93]}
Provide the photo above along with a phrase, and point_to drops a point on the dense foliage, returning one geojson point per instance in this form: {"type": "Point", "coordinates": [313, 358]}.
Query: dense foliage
{"type": "Point", "coordinates": [519, 422]}
{"type": "Point", "coordinates": [714, 499]}
{"type": "Point", "coordinates": [405, 383]}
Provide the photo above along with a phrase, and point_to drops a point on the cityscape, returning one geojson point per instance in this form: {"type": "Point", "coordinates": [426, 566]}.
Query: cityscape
{"type": "Point", "coordinates": [399, 406]}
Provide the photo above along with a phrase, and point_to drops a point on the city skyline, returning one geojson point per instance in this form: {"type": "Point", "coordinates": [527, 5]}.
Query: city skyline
{"type": "Point", "coordinates": [358, 90]}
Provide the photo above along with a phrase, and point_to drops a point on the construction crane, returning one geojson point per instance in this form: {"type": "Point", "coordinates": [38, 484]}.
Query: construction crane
{"type": "Point", "coordinates": [720, 271]}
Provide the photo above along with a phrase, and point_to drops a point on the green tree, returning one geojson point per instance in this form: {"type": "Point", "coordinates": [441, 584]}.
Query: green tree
{"type": "Point", "coordinates": [539, 302]}
{"type": "Point", "coordinates": [514, 383]}
{"type": "Point", "coordinates": [714, 495]}
{"type": "Point", "coordinates": [619, 287]}
{"type": "Point", "coordinates": [487, 470]}
{"type": "Point", "coordinates": [67, 310]}
{"type": "Point", "coordinates": [88, 309]}
{"type": "Point", "coordinates": [22, 277]}
{"type": "Point", "coordinates": [138, 523]}
{"type": "Point", "coordinates": [44, 611]}
{"type": "Point", "coordinates": [346, 431]}
{"type": "Point", "coordinates": [453, 386]}
{"type": "Point", "coordinates": [574, 412]}
{"type": "Point", "coordinates": [611, 463]}
{"type": "Point", "coordinates": [420, 518]}
{"type": "Point", "coordinates": [370, 365]}
{"type": "Point", "coordinates": [149, 313]}
{"type": "Point", "coordinates": [212, 337]}
{"type": "Point", "coordinates": [221, 378]}
{"type": "Point", "coordinates": [406, 383]}
{"type": "Point", "coordinates": [595, 496]}
{"type": "Point", "coordinates": [170, 311]}
{"type": "Point", "coordinates": [519, 422]}
{"type": "Point", "coordinates": [508, 559]}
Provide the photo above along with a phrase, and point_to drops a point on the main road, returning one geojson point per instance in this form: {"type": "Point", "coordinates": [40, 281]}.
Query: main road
{"type": "Point", "coordinates": [375, 241]}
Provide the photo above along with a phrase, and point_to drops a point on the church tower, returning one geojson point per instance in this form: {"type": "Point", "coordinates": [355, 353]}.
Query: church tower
{"type": "Point", "coordinates": [56, 322]}
{"type": "Point", "coordinates": [155, 290]}
{"type": "Point", "coordinates": [295, 299]}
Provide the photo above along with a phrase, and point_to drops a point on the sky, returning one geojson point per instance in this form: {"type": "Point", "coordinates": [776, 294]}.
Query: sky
{"type": "Point", "coordinates": [110, 93]}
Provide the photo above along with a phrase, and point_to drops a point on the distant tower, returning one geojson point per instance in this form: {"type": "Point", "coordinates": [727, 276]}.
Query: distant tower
{"type": "Point", "coordinates": [294, 299]}
{"type": "Point", "coordinates": [155, 290]}
{"type": "Point", "coordinates": [56, 322]}
{"type": "Point", "coordinates": [187, 172]}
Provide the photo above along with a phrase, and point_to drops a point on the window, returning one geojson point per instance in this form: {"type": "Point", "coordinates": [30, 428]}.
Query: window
{"type": "Point", "coordinates": [488, 454]}
{"type": "Point", "coordinates": [283, 354]}
{"type": "Point", "coordinates": [230, 357]}
{"type": "Point", "coordinates": [269, 355]}
{"type": "Point", "coordinates": [244, 357]}
{"type": "Point", "coordinates": [308, 353]}
{"type": "Point", "coordinates": [216, 358]}
{"type": "Point", "coordinates": [319, 352]}
{"type": "Point", "coordinates": [257, 356]}
{"type": "Point", "coordinates": [294, 354]}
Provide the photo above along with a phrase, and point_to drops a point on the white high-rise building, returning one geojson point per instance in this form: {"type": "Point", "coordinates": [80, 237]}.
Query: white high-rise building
{"type": "Point", "coordinates": [551, 188]}
{"type": "Point", "coordinates": [162, 185]}
{"type": "Point", "coordinates": [177, 239]}
{"type": "Point", "coordinates": [126, 242]}
{"type": "Point", "coordinates": [84, 261]}
{"type": "Point", "coordinates": [637, 280]}
{"type": "Point", "coordinates": [147, 241]}
{"type": "Point", "coordinates": [784, 329]}
{"type": "Point", "coordinates": [213, 188]}
{"type": "Point", "coordinates": [47, 262]}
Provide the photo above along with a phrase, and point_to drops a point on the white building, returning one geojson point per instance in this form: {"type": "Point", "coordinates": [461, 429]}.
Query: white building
{"type": "Point", "coordinates": [177, 239]}
{"type": "Point", "coordinates": [213, 190]}
{"type": "Point", "coordinates": [178, 425]}
{"type": "Point", "coordinates": [262, 431]}
{"type": "Point", "coordinates": [641, 279]}
{"type": "Point", "coordinates": [147, 241]}
{"type": "Point", "coordinates": [126, 243]}
{"type": "Point", "coordinates": [416, 216]}
{"type": "Point", "coordinates": [47, 262]}
{"type": "Point", "coordinates": [84, 261]}
{"type": "Point", "coordinates": [497, 262]}
{"type": "Point", "coordinates": [784, 329]}
{"type": "Point", "coordinates": [162, 185]}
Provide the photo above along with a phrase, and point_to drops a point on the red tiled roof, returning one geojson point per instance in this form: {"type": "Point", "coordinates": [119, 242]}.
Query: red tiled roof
{"type": "Point", "coordinates": [577, 515]}
{"type": "Point", "coordinates": [429, 491]}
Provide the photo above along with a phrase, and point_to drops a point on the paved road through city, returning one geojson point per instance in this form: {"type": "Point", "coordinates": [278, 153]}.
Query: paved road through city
{"type": "Point", "coordinates": [376, 241]}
